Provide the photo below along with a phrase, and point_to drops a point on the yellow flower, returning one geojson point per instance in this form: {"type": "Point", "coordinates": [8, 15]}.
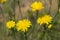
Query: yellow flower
{"type": "Point", "coordinates": [10, 24]}
{"type": "Point", "coordinates": [50, 26]}
{"type": "Point", "coordinates": [46, 19]}
{"type": "Point", "coordinates": [3, 1]}
{"type": "Point", "coordinates": [37, 6]}
{"type": "Point", "coordinates": [23, 25]}
{"type": "Point", "coordinates": [59, 10]}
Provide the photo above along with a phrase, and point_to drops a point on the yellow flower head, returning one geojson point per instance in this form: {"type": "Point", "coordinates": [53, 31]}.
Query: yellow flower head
{"type": "Point", "coordinates": [46, 19]}
{"type": "Point", "coordinates": [3, 1]}
{"type": "Point", "coordinates": [23, 25]}
{"type": "Point", "coordinates": [49, 26]}
{"type": "Point", "coordinates": [37, 6]}
{"type": "Point", "coordinates": [10, 24]}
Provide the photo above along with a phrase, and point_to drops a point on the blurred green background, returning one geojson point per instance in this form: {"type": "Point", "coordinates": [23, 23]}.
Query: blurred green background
{"type": "Point", "coordinates": [15, 7]}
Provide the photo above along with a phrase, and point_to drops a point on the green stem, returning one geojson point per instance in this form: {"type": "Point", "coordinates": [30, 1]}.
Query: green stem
{"type": "Point", "coordinates": [34, 25]}
{"type": "Point", "coordinates": [14, 36]}
{"type": "Point", "coordinates": [50, 6]}
{"type": "Point", "coordinates": [21, 35]}
{"type": "Point", "coordinates": [55, 15]}
{"type": "Point", "coordinates": [57, 11]}
{"type": "Point", "coordinates": [25, 35]}
{"type": "Point", "coordinates": [37, 13]}
{"type": "Point", "coordinates": [43, 34]}
{"type": "Point", "coordinates": [14, 5]}
{"type": "Point", "coordinates": [19, 4]}
{"type": "Point", "coordinates": [13, 31]}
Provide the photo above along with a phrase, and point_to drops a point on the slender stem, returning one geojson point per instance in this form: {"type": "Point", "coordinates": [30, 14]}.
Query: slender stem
{"type": "Point", "coordinates": [25, 35]}
{"type": "Point", "coordinates": [50, 6]}
{"type": "Point", "coordinates": [55, 15]}
{"type": "Point", "coordinates": [14, 36]}
{"type": "Point", "coordinates": [13, 31]}
{"type": "Point", "coordinates": [21, 35]}
{"type": "Point", "coordinates": [14, 8]}
{"type": "Point", "coordinates": [43, 34]}
{"type": "Point", "coordinates": [37, 13]}
{"type": "Point", "coordinates": [4, 20]}
{"type": "Point", "coordinates": [19, 4]}
{"type": "Point", "coordinates": [34, 25]}
{"type": "Point", "coordinates": [57, 11]}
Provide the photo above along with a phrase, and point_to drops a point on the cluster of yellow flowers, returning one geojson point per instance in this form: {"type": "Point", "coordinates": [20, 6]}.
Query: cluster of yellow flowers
{"type": "Point", "coordinates": [3, 1]}
{"type": "Point", "coordinates": [22, 25]}
{"type": "Point", "coordinates": [46, 19]}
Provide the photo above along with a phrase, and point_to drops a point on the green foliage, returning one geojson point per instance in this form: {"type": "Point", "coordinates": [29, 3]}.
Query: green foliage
{"type": "Point", "coordinates": [35, 32]}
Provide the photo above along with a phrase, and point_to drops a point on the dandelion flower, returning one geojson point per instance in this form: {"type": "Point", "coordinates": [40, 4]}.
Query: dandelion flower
{"type": "Point", "coordinates": [36, 6]}
{"type": "Point", "coordinates": [23, 25]}
{"type": "Point", "coordinates": [46, 19]}
{"type": "Point", "coordinates": [3, 1]}
{"type": "Point", "coordinates": [10, 24]}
